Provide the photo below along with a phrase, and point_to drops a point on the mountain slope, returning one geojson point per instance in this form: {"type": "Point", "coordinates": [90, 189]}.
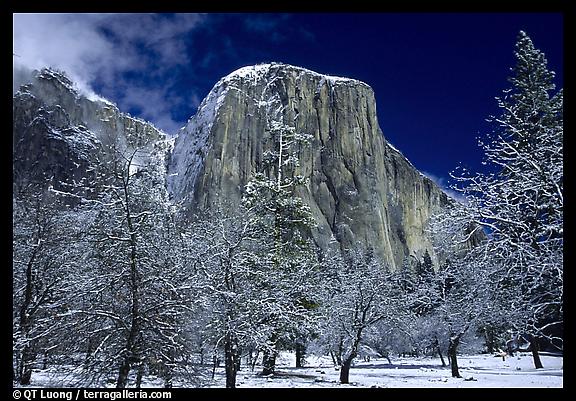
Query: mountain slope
{"type": "Point", "coordinates": [62, 138]}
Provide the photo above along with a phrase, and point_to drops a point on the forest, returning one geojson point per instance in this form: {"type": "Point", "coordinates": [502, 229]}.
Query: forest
{"type": "Point", "coordinates": [114, 282]}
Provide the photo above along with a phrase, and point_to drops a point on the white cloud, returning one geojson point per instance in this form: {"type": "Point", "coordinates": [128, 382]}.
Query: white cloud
{"type": "Point", "coordinates": [62, 41]}
{"type": "Point", "coordinates": [101, 47]}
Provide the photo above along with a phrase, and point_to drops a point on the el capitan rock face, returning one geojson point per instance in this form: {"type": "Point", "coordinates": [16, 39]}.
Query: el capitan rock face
{"type": "Point", "coordinates": [360, 189]}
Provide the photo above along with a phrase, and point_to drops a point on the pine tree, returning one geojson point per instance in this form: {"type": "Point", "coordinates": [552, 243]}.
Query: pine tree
{"type": "Point", "coordinates": [272, 195]}
{"type": "Point", "coordinates": [521, 201]}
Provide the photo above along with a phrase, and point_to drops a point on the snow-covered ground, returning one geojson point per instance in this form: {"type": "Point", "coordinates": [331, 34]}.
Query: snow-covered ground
{"type": "Point", "coordinates": [476, 371]}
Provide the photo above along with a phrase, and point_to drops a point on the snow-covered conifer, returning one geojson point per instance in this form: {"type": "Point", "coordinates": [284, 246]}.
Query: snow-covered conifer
{"type": "Point", "coordinates": [520, 199]}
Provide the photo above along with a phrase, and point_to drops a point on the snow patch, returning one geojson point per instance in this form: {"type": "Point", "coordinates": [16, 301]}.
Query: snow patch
{"type": "Point", "coordinates": [191, 144]}
{"type": "Point", "coordinates": [77, 86]}
{"type": "Point", "coordinates": [258, 71]}
{"type": "Point", "coordinates": [51, 75]}
{"type": "Point", "coordinates": [478, 371]}
{"type": "Point", "coordinates": [249, 72]}
{"type": "Point", "coordinates": [405, 158]}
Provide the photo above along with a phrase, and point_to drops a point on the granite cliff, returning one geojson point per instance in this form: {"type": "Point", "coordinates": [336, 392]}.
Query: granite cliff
{"type": "Point", "coordinates": [360, 188]}
{"type": "Point", "coordinates": [62, 136]}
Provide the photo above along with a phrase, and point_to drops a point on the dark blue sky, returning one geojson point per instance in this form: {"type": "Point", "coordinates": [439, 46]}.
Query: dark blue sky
{"type": "Point", "coordinates": [435, 75]}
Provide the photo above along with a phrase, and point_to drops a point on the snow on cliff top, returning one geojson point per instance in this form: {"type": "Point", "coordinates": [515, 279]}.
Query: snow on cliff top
{"type": "Point", "coordinates": [211, 104]}
{"type": "Point", "coordinates": [394, 148]}
{"type": "Point", "coordinates": [260, 70]}
{"type": "Point", "coordinates": [187, 161]}
{"type": "Point", "coordinates": [76, 86]}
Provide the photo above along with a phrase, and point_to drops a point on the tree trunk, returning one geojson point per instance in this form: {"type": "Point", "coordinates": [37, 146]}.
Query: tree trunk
{"type": "Point", "coordinates": [452, 348]}
{"type": "Point", "coordinates": [123, 373]}
{"type": "Point", "coordinates": [339, 351]}
{"type": "Point", "coordinates": [490, 341]}
{"type": "Point", "coordinates": [535, 354]}
{"type": "Point", "coordinates": [139, 376]}
{"type": "Point", "coordinates": [441, 357]}
{"type": "Point", "coordinates": [168, 378]}
{"type": "Point", "coordinates": [26, 363]}
{"type": "Point", "coordinates": [88, 353]}
{"type": "Point", "coordinates": [130, 355]}
{"type": "Point", "coordinates": [230, 361]}
{"type": "Point", "coordinates": [238, 359]}
{"type": "Point", "coordinates": [253, 360]}
{"type": "Point", "coordinates": [347, 363]}
{"type": "Point", "coordinates": [134, 333]}
{"type": "Point", "coordinates": [268, 362]}
{"type": "Point", "coordinates": [300, 351]}
{"type": "Point", "coordinates": [387, 356]}
{"type": "Point", "coordinates": [437, 345]}
{"type": "Point", "coordinates": [345, 368]}
{"type": "Point", "coordinates": [510, 347]}
{"type": "Point", "coordinates": [45, 361]}
{"type": "Point", "coordinates": [334, 359]}
{"type": "Point", "coordinates": [215, 364]}
{"type": "Point", "coordinates": [28, 353]}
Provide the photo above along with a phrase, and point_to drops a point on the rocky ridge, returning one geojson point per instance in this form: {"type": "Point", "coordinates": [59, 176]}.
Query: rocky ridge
{"type": "Point", "coordinates": [61, 135]}
{"type": "Point", "coordinates": [362, 191]}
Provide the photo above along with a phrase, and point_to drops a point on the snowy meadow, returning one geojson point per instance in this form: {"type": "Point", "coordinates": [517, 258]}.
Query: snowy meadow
{"type": "Point", "coordinates": [478, 371]}
{"type": "Point", "coordinates": [118, 285]}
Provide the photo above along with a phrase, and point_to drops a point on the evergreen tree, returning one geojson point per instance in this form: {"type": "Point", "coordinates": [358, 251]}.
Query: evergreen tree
{"type": "Point", "coordinates": [521, 201]}
{"type": "Point", "coordinates": [286, 221]}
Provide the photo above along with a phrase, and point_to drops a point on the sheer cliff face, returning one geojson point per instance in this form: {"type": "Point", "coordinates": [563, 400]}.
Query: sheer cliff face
{"type": "Point", "coordinates": [61, 135]}
{"type": "Point", "coordinates": [360, 189]}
